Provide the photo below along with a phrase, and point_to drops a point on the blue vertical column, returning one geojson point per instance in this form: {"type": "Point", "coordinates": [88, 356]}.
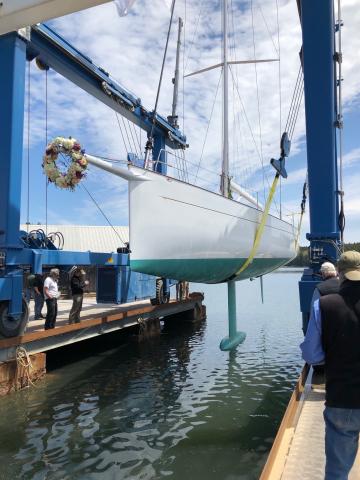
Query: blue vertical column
{"type": "Point", "coordinates": [159, 155]}
{"type": "Point", "coordinates": [12, 88]}
{"type": "Point", "coordinates": [318, 30]}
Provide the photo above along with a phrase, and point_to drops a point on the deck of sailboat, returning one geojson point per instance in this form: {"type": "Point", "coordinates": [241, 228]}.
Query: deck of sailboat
{"type": "Point", "coordinates": [298, 450]}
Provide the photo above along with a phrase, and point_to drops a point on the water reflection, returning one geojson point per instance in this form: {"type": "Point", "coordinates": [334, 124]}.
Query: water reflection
{"type": "Point", "coordinates": [174, 407]}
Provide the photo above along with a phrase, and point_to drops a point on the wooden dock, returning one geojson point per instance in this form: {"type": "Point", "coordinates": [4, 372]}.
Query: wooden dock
{"type": "Point", "coordinates": [298, 451]}
{"type": "Point", "coordinates": [96, 320]}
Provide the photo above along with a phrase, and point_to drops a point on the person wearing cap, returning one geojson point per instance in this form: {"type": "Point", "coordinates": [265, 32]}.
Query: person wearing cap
{"type": "Point", "coordinates": [330, 284]}
{"type": "Point", "coordinates": [51, 294]}
{"type": "Point", "coordinates": [333, 336]}
{"type": "Point", "coordinates": [77, 285]}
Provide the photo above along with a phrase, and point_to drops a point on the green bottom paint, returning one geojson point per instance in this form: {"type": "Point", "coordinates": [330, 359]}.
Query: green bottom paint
{"type": "Point", "coordinates": [206, 270]}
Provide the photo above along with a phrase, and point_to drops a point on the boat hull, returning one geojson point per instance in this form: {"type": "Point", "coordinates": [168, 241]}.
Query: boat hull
{"type": "Point", "coordinates": [184, 232]}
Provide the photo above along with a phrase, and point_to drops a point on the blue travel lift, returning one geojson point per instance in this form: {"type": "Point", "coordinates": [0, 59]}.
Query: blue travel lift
{"type": "Point", "coordinates": [52, 51]}
{"type": "Point", "coordinates": [322, 119]}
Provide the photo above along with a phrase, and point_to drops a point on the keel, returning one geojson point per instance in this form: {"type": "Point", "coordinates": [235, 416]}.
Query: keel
{"type": "Point", "coordinates": [235, 337]}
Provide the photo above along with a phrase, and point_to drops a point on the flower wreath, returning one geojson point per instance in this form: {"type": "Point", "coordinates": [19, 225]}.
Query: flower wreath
{"type": "Point", "coordinates": [71, 149]}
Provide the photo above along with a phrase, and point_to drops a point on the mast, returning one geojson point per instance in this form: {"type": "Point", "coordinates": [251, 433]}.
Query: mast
{"type": "Point", "coordinates": [173, 118]}
{"type": "Point", "coordinates": [225, 148]}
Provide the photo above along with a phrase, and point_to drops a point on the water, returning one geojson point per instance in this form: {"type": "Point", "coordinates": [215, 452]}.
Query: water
{"type": "Point", "coordinates": [176, 407]}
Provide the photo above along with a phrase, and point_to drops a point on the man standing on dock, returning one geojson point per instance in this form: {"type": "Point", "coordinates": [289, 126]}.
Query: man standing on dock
{"type": "Point", "coordinates": [333, 335]}
{"type": "Point", "coordinates": [77, 285]}
{"type": "Point", "coordinates": [51, 294]}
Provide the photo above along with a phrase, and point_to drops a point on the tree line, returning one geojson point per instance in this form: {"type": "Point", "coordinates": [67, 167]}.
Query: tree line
{"type": "Point", "coordinates": [302, 258]}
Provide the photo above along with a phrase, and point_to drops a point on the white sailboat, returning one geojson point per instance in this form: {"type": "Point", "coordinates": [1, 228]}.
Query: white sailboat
{"type": "Point", "coordinates": [182, 231]}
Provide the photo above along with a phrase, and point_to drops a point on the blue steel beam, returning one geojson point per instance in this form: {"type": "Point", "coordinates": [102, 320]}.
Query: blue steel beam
{"type": "Point", "coordinates": [318, 30]}
{"type": "Point", "coordinates": [12, 87]}
{"type": "Point", "coordinates": [62, 57]}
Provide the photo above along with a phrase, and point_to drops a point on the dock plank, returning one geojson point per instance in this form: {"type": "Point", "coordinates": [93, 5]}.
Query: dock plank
{"type": "Point", "coordinates": [300, 454]}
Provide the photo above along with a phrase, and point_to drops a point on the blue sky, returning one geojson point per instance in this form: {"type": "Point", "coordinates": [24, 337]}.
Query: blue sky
{"type": "Point", "coordinates": [131, 47]}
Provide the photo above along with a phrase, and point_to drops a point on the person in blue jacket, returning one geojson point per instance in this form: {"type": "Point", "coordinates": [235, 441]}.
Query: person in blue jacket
{"type": "Point", "coordinates": [333, 337]}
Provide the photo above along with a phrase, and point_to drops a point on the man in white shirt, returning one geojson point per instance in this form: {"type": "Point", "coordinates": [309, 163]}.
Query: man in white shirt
{"type": "Point", "coordinates": [51, 294]}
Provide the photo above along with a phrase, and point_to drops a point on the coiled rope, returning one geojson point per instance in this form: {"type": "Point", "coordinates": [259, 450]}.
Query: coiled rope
{"type": "Point", "coordinates": [23, 368]}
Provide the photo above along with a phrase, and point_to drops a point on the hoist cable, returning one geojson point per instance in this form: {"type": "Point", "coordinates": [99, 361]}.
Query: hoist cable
{"type": "Point", "coordinates": [293, 104]}
{"type": "Point", "coordinates": [28, 151]}
{"type": "Point", "coordinates": [289, 118]}
{"type": "Point", "coordinates": [297, 108]}
{"type": "Point", "coordinates": [302, 211]}
{"type": "Point", "coordinates": [341, 220]}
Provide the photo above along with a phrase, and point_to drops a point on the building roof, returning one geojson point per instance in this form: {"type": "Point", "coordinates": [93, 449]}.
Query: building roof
{"type": "Point", "coordinates": [81, 238]}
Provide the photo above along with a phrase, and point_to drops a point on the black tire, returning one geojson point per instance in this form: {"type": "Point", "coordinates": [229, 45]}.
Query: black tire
{"type": "Point", "coordinates": [160, 298]}
{"type": "Point", "coordinates": [9, 327]}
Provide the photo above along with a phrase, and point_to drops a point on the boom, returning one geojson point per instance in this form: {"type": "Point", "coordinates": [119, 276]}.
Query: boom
{"type": "Point", "coordinates": [15, 14]}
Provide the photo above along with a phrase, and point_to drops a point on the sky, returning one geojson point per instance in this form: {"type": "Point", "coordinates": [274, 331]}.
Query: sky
{"type": "Point", "coordinates": [131, 49]}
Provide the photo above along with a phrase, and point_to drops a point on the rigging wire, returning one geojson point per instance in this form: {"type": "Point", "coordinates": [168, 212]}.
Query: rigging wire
{"type": "Point", "coordinates": [121, 132]}
{"type": "Point", "coordinates": [138, 142]}
{"type": "Point", "coordinates": [268, 30]}
{"type": "Point", "coordinates": [132, 136]}
{"type": "Point", "coordinates": [183, 62]}
{"type": "Point", "coordinates": [194, 34]}
{"type": "Point", "coordinates": [162, 70]}
{"type": "Point", "coordinates": [280, 93]}
{"type": "Point", "coordinates": [103, 214]}
{"type": "Point", "coordinates": [257, 97]}
{"type": "Point", "coordinates": [67, 163]}
{"type": "Point", "coordinates": [128, 148]}
{"type": "Point", "coordinates": [208, 125]}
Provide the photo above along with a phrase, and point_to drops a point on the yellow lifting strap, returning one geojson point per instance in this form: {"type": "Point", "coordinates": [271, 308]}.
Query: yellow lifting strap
{"type": "Point", "coordinates": [260, 229]}
{"type": "Point", "coordinates": [299, 231]}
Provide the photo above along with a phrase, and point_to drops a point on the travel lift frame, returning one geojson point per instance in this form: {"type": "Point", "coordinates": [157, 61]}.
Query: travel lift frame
{"type": "Point", "coordinates": [318, 60]}
{"type": "Point", "coordinates": [323, 118]}
{"type": "Point", "coordinates": [54, 52]}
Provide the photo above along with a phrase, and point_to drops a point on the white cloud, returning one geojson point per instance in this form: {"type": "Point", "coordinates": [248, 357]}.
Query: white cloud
{"type": "Point", "coordinates": [351, 157]}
